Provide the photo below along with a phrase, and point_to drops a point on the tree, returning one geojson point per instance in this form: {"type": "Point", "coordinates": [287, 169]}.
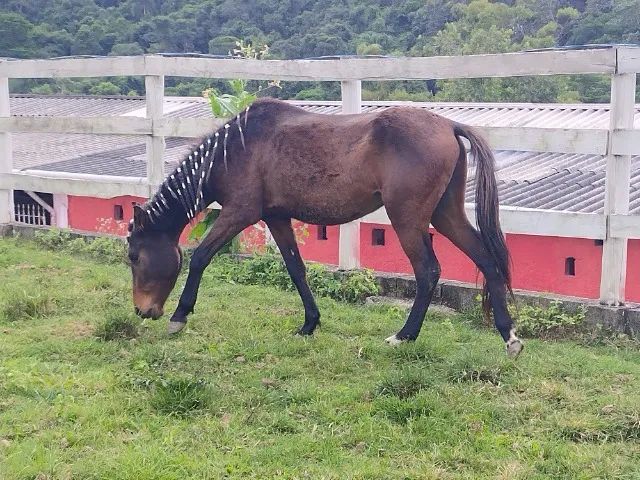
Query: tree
{"type": "Point", "coordinates": [87, 41]}
{"type": "Point", "coordinates": [126, 49]}
{"type": "Point", "coordinates": [303, 29]}
{"type": "Point", "coordinates": [105, 88]}
{"type": "Point", "coordinates": [16, 35]}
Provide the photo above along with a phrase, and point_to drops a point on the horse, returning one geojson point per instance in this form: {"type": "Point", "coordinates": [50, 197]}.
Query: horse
{"type": "Point", "coordinates": [276, 162]}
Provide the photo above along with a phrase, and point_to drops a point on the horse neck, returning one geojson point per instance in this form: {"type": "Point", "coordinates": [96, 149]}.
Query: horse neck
{"type": "Point", "coordinates": [167, 214]}
{"type": "Point", "coordinates": [188, 190]}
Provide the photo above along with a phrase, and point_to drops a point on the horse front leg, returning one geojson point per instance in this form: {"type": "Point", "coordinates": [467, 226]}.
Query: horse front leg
{"type": "Point", "coordinates": [229, 224]}
{"type": "Point", "coordinates": [285, 239]}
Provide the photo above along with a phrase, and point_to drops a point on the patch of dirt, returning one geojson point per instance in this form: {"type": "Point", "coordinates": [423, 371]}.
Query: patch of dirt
{"type": "Point", "coordinates": [406, 304]}
{"type": "Point", "coordinates": [75, 330]}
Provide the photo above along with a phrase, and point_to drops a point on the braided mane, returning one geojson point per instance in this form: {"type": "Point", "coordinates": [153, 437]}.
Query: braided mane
{"type": "Point", "coordinates": [186, 183]}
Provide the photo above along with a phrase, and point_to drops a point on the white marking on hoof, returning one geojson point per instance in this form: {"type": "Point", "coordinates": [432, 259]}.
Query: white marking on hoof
{"type": "Point", "coordinates": [175, 327]}
{"type": "Point", "coordinates": [514, 345]}
{"type": "Point", "coordinates": [393, 340]}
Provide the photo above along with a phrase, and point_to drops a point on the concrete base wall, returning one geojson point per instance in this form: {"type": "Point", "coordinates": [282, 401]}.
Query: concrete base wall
{"type": "Point", "coordinates": [462, 296]}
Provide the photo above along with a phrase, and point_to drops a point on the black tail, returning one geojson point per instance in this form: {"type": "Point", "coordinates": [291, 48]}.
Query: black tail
{"type": "Point", "coordinates": [487, 208]}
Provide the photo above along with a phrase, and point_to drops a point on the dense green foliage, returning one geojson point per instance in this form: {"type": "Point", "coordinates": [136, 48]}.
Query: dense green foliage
{"type": "Point", "coordinates": [269, 269]}
{"type": "Point", "coordinates": [103, 249]}
{"type": "Point", "coordinates": [236, 395]}
{"type": "Point", "coordinates": [305, 28]}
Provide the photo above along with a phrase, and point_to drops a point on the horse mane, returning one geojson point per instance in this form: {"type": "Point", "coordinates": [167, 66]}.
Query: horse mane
{"type": "Point", "coordinates": [184, 187]}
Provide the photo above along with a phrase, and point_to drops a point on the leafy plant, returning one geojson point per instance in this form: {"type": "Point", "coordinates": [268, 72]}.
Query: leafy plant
{"type": "Point", "coordinates": [203, 227]}
{"type": "Point", "coordinates": [225, 105]}
{"type": "Point", "coordinates": [358, 285]}
{"type": "Point", "coordinates": [53, 239]}
{"type": "Point", "coordinates": [269, 269]}
{"type": "Point", "coordinates": [533, 320]}
{"type": "Point", "coordinates": [108, 250]}
{"type": "Point", "coordinates": [538, 321]}
{"type": "Point", "coordinates": [322, 282]}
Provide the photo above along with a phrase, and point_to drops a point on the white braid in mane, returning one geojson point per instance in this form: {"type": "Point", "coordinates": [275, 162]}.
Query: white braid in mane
{"type": "Point", "coordinates": [186, 183]}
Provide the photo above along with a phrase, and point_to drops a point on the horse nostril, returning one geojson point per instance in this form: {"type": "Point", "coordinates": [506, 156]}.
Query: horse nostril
{"type": "Point", "coordinates": [138, 312]}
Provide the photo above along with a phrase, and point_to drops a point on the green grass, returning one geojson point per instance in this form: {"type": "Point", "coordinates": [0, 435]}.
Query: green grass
{"type": "Point", "coordinates": [237, 396]}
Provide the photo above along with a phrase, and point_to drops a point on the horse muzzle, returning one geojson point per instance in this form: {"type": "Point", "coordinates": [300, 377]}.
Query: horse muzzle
{"type": "Point", "coordinates": [153, 313]}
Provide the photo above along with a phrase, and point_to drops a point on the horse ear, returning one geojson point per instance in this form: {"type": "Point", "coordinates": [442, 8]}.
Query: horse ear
{"type": "Point", "coordinates": [140, 218]}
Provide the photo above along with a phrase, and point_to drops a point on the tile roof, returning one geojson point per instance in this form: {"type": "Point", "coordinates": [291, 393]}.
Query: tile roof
{"type": "Point", "coordinates": [554, 181]}
{"type": "Point", "coordinates": [535, 180]}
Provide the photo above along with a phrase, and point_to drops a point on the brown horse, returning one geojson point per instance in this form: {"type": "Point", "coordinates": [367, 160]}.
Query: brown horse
{"type": "Point", "coordinates": [275, 162]}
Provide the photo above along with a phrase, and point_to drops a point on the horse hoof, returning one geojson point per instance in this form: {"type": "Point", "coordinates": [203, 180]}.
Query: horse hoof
{"type": "Point", "coordinates": [175, 327]}
{"type": "Point", "coordinates": [393, 340]}
{"type": "Point", "coordinates": [514, 347]}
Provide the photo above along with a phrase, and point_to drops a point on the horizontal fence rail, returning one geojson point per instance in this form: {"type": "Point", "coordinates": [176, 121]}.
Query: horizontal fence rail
{"type": "Point", "coordinates": [99, 186]}
{"type": "Point", "coordinates": [617, 143]}
{"type": "Point", "coordinates": [551, 62]}
{"type": "Point", "coordinates": [526, 139]}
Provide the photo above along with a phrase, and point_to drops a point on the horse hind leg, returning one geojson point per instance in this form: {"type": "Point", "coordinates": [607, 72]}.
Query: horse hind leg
{"type": "Point", "coordinates": [450, 219]}
{"type": "Point", "coordinates": [417, 245]}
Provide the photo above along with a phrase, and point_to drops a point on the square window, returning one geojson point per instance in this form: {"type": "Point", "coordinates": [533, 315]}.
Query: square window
{"type": "Point", "coordinates": [377, 236]}
{"type": "Point", "coordinates": [118, 212]}
{"type": "Point", "coordinates": [322, 232]}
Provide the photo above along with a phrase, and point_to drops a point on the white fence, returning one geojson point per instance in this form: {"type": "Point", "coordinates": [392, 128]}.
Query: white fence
{"type": "Point", "coordinates": [617, 142]}
{"type": "Point", "coordinates": [30, 214]}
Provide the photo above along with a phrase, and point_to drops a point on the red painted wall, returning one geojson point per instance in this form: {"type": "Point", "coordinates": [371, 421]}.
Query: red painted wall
{"type": "Point", "coordinates": [632, 287]}
{"type": "Point", "coordinates": [538, 262]}
{"type": "Point", "coordinates": [253, 239]}
{"type": "Point", "coordinates": [97, 215]}
{"type": "Point", "coordinates": [311, 248]}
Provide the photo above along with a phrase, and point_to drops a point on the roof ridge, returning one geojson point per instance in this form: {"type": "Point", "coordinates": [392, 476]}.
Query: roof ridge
{"type": "Point", "coordinates": [77, 95]}
{"type": "Point", "coordinates": [319, 103]}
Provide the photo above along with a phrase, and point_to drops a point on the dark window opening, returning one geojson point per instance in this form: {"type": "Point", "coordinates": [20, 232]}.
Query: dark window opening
{"type": "Point", "coordinates": [118, 212]}
{"type": "Point", "coordinates": [322, 232]}
{"type": "Point", "coordinates": [377, 236]}
{"type": "Point", "coordinates": [598, 243]}
{"type": "Point", "coordinates": [570, 266]}
{"type": "Point", "coordinates": [29, 211]}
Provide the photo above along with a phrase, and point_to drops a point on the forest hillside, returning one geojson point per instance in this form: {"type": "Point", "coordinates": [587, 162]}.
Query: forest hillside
{"type": "Point", "coordinates": [312, 28]}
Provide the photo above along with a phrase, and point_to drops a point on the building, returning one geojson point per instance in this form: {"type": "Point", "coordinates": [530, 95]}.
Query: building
{"type": "Point", "coordinates": [549, 181]}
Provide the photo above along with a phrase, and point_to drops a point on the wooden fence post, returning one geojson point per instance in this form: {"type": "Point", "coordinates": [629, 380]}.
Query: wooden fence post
{"type": "Point", "coordinates": [6, 156]}
{"type": "Point", "coordinates": [349, 247]}
{"type": "Point", "coordinates": [154, 92]}
{"type": "Point", "coordinates": [617, 185]}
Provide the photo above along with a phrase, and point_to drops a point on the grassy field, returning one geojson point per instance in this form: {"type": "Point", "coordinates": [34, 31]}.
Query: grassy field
{"type": "Point", "coordinates": [237, 396]}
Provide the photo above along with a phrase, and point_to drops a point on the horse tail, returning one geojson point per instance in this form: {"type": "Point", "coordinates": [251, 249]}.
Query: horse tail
{"type": "Point", "coordinates": [487, 208]}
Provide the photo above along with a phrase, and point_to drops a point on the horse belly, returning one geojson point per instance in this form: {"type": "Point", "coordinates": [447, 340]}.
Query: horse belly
{"type": "Point", "coordinates": [328, 207]}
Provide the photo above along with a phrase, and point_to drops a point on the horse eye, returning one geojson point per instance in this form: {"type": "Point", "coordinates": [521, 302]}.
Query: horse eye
{"type": "Point", "coordinates": [133, 257]}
